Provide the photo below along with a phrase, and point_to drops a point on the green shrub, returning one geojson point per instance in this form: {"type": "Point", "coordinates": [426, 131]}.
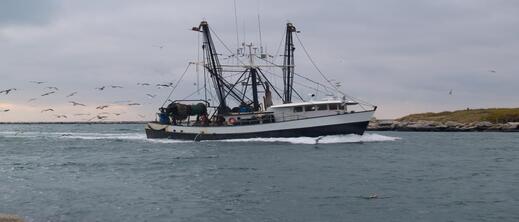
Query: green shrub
{"type": "Point", "coordinates": [494, 115]}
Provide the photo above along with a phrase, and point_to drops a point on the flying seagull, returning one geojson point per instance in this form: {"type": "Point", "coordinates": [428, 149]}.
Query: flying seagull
{"type": "Point", "coordinates": [76, 103]}
{"type": "Point", "coordinates": [102, 107]}
{"type": "Point", "coordinates": [162, 85]}
{"type": "Point", "coordinates": [5, 110]}
{"type": "Point", "coordinates": [99, 117]}
{"type": "Point", "coordinates": [113, 87]}
{"type": "Point", "coordinates": [492, 71]}
{"type": "Point", "coordinates": [165, 85]}
{"type": "Point", "coordinates": [101, 88]}
{"type": "Point", "coordinates": [151, 95]}
{"type": "Point", "coordinates": [47, 110]}
{"type": "Point", "coordinates": [53, 88]}
{"type": "Point", "coordinates": [31, 99]}
{"type": "Point", "coordinates": [450, 92]}
{"type": "Point", "coordinates": [61, 116]}
{"type": "Point", "coordinates": [37, 82]}
{"type": "Point", "coordinates": [46, 94]}
{"type": "Point", "coordinates": [72, 94]}
{"type": "Point", "coordinates": [7, 91]}
{"type": "Point", "coordinates": [159, 46]}
{"type": "Point", "coordinates": [142, 116]}
{"type": "Point", "coordinates": [143, 84]}
{"type": "Point", "coordinates": [134, 104]}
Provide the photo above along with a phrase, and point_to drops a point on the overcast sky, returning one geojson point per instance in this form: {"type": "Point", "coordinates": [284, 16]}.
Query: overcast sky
{"type": "Point", "coordinates": [404, 56]}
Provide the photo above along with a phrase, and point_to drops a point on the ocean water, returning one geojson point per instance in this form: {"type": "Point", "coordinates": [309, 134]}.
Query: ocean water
{"type": "Point", "coordinates": [113, 173]}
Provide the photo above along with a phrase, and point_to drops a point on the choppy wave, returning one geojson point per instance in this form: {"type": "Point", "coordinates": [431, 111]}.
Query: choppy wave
{"type": "Point", "coordinates": [350, 138]}
{"type": "Point", "coordinates": [86, 136]}
{"type": "Point", "coordinates": [75, 135]}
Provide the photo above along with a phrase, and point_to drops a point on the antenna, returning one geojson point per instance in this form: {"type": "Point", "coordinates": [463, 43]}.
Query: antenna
{"type": "Point", "coordinates": [244, 34]}
{"type": "Point", "coordinates": [259, 30]}
{"type": "Point", "coordinates": [237, 35]}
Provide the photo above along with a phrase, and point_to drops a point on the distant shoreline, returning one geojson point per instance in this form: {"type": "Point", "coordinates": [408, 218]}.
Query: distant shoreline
{"type": "Point", "coordinates": [468, 120]}
{"type": "Point", "coordinates": [78, 122]}
{"type": "Point", "coordinates": [436, 126]}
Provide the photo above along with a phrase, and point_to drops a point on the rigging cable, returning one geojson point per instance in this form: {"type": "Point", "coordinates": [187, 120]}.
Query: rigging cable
{"type": "Point", "coordinates": [324, 77]}
{"type": "Point", "coordinates": [197, 91]}
{"type": "Point", "coordinates": [279, 48]}
{"type": "Point", "coordinates": [224, 45]}
{"type": "Point", "coordinates": [176, 84]}
{"type": "Point", "coordinates": [298, 83]}
{"type": "Point", "coordinates": [313, 63]}
{"type": "Point", "coordinates": [300, 75]}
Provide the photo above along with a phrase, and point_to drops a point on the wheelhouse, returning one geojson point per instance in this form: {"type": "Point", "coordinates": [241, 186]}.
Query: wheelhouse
{"type": "Point", "coordinates": [295, 111]}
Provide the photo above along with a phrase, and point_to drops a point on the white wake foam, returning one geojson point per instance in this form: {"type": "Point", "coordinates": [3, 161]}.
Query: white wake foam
{"type": "Point", "coordinates": [104, 136]}
{"type": "Point", "coordinates": [350, 138]}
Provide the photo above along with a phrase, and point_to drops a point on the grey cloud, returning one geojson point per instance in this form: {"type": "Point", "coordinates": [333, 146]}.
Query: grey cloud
{"type": "Point", "coordinates": [26, 12]}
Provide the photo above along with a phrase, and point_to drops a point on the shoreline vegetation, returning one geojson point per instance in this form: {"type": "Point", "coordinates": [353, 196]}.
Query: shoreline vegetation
{"type": "Point", "coordinates": [469, 120]}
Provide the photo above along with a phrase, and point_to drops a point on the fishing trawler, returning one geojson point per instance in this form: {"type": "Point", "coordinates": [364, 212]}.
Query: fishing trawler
{"type": "Point", "coordinates": [230, 105]}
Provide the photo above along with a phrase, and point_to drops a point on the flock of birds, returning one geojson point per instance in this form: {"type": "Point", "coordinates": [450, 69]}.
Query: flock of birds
{"type": "Point", "coordinates": [100, 115]}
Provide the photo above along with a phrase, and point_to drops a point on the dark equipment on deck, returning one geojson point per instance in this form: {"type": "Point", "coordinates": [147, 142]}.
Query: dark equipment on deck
{"type": "Point", "coordinates": [181, 111]}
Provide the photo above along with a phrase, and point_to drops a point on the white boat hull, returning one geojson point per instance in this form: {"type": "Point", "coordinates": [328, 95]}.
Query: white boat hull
{"type": "Point", "coordinates": [347, 123]}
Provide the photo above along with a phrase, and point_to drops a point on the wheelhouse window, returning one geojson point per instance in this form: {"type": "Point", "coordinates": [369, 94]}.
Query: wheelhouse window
{"type": "Point", "coordinates": [333, 106]}
{"type": "Point", "coordinates": [342, 107]}
{"type": "Point", "coordinates": [322, 107]}
{"type": "Point", "coordinates": [309, 108]}
{"type": "Point", "coordinates": [298, 109]}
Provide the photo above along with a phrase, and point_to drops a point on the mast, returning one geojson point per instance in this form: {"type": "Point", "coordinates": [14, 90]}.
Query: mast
{"type": "Point", "coordinates": [253, 73]}
{"type": "Point", "coordinates": [213, 65]}
{"type": "Point", "coordinates": [288, 64]}
{"type": "Point", "coordinates": [254, 79]}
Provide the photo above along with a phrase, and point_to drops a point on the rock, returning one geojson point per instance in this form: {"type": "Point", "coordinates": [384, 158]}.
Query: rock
{"type": "Point", "coordinates": [372, 125]}
{"type": "Point", "coordinates": [511, 127]}
{"type": "Point", "coordinates": [452, 124]}
{"type": "Point", "coordinates": [385, 123]}
{"type": "Point", "coordinates": [484, 124]}
{"type": "Point", "coordinates": [381, 125]}
{"type": "Point", "coordinates": [10, 218]}
{"type": "Point", "coordinates": [449, 126]}
{"type": "Point", "coordinates": [401, 124]}
{"type": "Point", "coordinates": [469, 127]}
{"type": "Point", "coordinates": [496, 127]}
{"type": "Point", "coordinates": [422, 126]}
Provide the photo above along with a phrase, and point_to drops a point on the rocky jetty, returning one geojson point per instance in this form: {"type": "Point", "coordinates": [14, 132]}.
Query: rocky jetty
{"type": "Point", "coordinates": [435, 126]}
{"type": "Point", "coordinates": [10, 218]}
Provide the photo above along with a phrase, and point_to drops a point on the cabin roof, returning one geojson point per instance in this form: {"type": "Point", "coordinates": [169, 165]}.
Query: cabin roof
{"type": "Point", "coordinates": [312, 103]}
